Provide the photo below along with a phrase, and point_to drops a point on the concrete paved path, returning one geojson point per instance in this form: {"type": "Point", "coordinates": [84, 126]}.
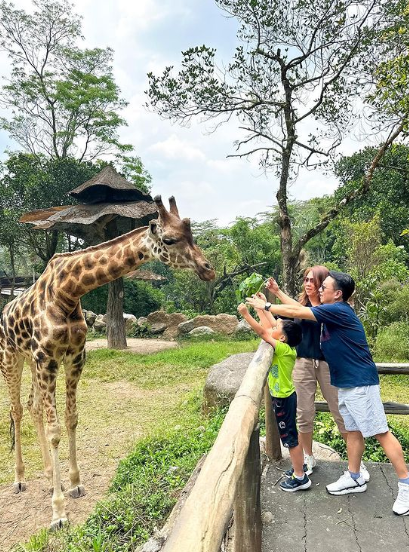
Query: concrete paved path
{"type": "Point", "coordinates": [314, 521]}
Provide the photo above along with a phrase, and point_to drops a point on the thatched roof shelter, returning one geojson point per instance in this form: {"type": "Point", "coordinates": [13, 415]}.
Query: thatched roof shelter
{"type": "Point", "coordinates": [108, 186]}
{"type": "Point", "coordinates": [106, 196]}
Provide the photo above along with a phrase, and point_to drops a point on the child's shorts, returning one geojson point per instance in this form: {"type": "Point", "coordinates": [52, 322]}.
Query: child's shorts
{"type": "Point", "coordinates": [285, 410]}
{"type": "Point", "coordinates": [362, 410]}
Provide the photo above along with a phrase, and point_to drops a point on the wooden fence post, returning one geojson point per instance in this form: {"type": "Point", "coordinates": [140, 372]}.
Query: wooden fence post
{"type": "Point", "coordinates": [273, 443]}
{"type": "Point", "coordinates": [247, 506]}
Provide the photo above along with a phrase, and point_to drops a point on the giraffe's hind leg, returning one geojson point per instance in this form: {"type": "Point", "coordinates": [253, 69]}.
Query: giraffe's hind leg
{"type": "Point", "coordinates": [12, 368]}
{"type": "Point", "coordinates": [73, 369]}
{"type": "Point", "coordinates": [35, 406]}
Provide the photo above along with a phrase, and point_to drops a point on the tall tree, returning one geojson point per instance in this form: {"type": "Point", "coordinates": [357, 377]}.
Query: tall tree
{"type": "Point", "coordinates": [63, 100]}
{"type": "Point", "coordinates": [292, 86]}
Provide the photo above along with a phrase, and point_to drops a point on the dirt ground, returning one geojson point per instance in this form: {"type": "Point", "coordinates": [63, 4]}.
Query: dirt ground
{"type": "Point", "coordinates": [99, 450]}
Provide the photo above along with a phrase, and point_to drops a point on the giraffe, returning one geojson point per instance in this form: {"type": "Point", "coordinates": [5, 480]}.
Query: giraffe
{"type": "Point", "coordinates": [45, 327]}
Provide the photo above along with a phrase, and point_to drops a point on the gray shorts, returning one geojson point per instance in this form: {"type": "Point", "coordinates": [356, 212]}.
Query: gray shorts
{"type": "Point", "coordinates": [362, 410]}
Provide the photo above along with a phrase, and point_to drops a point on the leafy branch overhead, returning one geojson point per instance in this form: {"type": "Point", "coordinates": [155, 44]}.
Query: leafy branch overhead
{"type": "Point", "coordinates": [303, 74]}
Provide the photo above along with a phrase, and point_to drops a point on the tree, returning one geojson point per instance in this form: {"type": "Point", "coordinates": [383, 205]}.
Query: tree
{"type": "Point", "coordinates": [31, 182]}
{"type": "Point", "coordinates": [63, 100]}
{"type": "Point", "coordinates": [300, 66]}
{"type": "Point", "coordinates": [389, 192]}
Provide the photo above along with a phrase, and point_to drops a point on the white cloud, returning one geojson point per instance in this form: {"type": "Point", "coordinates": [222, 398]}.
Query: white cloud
{"type": "Point", "coordinates": [175, 148]}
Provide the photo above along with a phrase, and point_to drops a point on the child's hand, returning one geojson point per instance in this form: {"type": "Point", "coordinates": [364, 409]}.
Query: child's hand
{"type": "Point", "coordinates": [272, 286]}
{"type": "Point", "coordinates": [242, 309]}
{"type": "Point", "coordinates": [256, 302]}
{"type": "Point", "coordinates": [261, 296]}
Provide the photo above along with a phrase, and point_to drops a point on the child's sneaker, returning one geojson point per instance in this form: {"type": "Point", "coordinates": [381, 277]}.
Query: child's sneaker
{"type": "Point", "coordinates": [289, 473]}
{"type": "Point", "coordinates": [310, 462]}
{"type": "Point", "coordinates": [346, 485]}
{"type": "Point", "coordinates": [293, 484]}
{"type": "Point", "coordinates": [401, 505]}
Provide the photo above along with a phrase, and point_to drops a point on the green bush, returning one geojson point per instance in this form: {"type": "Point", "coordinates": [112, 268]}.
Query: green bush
{"type": "Point", "coordinates": [326, 431]}
{"type": "Point", "coordinates": [392, 343]}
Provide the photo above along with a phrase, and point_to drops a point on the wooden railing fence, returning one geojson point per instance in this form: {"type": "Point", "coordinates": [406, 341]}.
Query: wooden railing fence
{"type": "Point", "coordinates": [229, 481]}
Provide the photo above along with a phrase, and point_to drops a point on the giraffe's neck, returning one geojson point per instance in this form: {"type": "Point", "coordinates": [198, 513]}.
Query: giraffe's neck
{"type": "Point", "coordinates": [75, 274]}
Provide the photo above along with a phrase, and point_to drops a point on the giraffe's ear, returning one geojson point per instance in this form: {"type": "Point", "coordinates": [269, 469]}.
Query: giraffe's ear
{"type": "Point", "coordinates": [153, 227]}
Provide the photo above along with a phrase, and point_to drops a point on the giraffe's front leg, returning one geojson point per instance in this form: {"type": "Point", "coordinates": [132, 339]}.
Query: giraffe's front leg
{"type": "Point", "coordinates": [46, 377]}
{"type": "Point", "coordinates": [73, 369]}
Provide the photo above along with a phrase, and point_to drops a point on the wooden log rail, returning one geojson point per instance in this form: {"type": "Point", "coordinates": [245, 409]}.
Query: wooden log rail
{"type": "Point", "coordinates": [230, 477]}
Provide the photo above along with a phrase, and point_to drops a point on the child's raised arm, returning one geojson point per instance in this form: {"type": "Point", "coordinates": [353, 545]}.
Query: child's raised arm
{"type": "Point", "coordinates": [263, 332]}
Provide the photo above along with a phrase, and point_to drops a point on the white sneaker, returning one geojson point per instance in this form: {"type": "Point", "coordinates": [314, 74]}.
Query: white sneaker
{"type": "Point", "coordinates": [364, 472]}
{"type": "Point", "coordinates": [401, 504]}
{"type": "Point", "coordinates": [310, 462]}
{"type": "Point", "coordinates": [346, 485]}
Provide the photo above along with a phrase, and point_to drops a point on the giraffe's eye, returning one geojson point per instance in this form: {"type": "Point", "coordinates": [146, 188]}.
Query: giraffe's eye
{"type": "Point", "coordinates": [169, 241]}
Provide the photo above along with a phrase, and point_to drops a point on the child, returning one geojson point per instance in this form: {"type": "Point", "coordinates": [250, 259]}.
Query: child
{"type": "Point", "coordinates": [283, 336]}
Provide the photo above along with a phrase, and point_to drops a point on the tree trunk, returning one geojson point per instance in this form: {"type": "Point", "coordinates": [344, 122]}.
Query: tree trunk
{"type": "Point", "coordinates": [115, 315]}
{"type": "Point", "coordinates": [115, 306]}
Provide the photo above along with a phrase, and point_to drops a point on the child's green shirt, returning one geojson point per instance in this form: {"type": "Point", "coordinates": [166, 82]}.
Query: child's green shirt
{"type": "Point", "coordinates": [280, 381]}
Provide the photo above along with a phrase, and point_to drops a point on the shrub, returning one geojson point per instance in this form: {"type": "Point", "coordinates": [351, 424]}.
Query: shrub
{"type": "Point", "coordinates": [392, 343]}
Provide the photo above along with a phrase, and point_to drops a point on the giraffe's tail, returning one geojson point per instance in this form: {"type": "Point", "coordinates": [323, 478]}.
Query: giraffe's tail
{"type": "Point", "coordinates": [12, 433]}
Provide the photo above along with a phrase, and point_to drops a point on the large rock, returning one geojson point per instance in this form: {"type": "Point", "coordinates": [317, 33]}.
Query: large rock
{"type": "Point", "coordinates": [130, 322]}
{"type": "Point", "coordinates": [244, 328]}
{"type": "Point", "coordinates": [172, 322]}
{"type": "Point", "coordinates": [90, 318]}
{"type": "Point", "coordinates": [100, 324]}
{"type": "Point", "coordinates": [224, 380]}
{"type": "Point", "coordinates": [186, 327]}
{"type": "Point", "coordinates": [219, 323]}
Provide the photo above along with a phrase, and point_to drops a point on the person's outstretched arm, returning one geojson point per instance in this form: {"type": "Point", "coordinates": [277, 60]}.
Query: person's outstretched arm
{"type": "Point", "coordinates": [266, 318]}
{"type": "Point", "coordinates": [272, 286]}
{"type": "Point", "coordinates": [289, 311]}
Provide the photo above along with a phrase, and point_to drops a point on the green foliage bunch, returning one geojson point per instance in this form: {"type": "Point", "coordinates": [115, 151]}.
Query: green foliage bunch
{"type": "Point", "coordinates": [392, 343]}
{"type": "Point", "coordinates": [326, 431]}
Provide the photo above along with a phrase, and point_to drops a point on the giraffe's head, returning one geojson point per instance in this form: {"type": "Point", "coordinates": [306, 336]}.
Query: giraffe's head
{"type": "Point", "coordinates": [170, 240]}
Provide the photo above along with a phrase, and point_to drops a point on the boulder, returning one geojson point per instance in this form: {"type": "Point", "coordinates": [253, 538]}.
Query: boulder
{"type": "Point", "coordinates": [172, 322]}
{"type": "Point", "coordinates": [244, 328]}
{"type": "Point", "coordinates": [142, 321]}
{"type": "Point", "coordinates": [156, 317]}
{"type": "Point", "coordinates": [130, 321]}
{"type": "Point", "coordinates": [157, 328]}
{"type": "Point", "coordinates": [220, 323]}
{"type": "Point", "coordinates": [201, 330]}
{"type": "Point", "coordinates": [100, 324]}
{"type": "Point", "coordinates": [224, 380]}
{"type": "Point", "coordinates": [186, 327]}
{"type": "Point", "coordinates": [90, 318]}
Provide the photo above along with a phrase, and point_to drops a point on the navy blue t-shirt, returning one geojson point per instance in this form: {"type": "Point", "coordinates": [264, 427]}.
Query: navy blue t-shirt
{"type": "Point", "coordinates": [345, 347]}
{"type": "Point", "coordinates": [310, 346]}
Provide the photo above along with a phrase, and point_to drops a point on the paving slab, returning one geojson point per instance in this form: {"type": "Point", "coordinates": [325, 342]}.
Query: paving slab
{"type": "Point", "coordinates": [314, 521]}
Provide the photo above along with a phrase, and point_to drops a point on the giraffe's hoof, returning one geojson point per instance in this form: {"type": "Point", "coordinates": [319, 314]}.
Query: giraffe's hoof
{"type": "Point", "coordinates": [51, 490]}
{"type": "Point", "coordinates": [58, 524]}
{"type": "Point", "coordinates": [77, 491]}
{"type": "Point", "coordinates": [19, 487]}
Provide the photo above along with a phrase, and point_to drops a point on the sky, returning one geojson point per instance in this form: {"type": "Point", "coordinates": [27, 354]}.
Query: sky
{"type": "Point", "coordinates": [189, 163]}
